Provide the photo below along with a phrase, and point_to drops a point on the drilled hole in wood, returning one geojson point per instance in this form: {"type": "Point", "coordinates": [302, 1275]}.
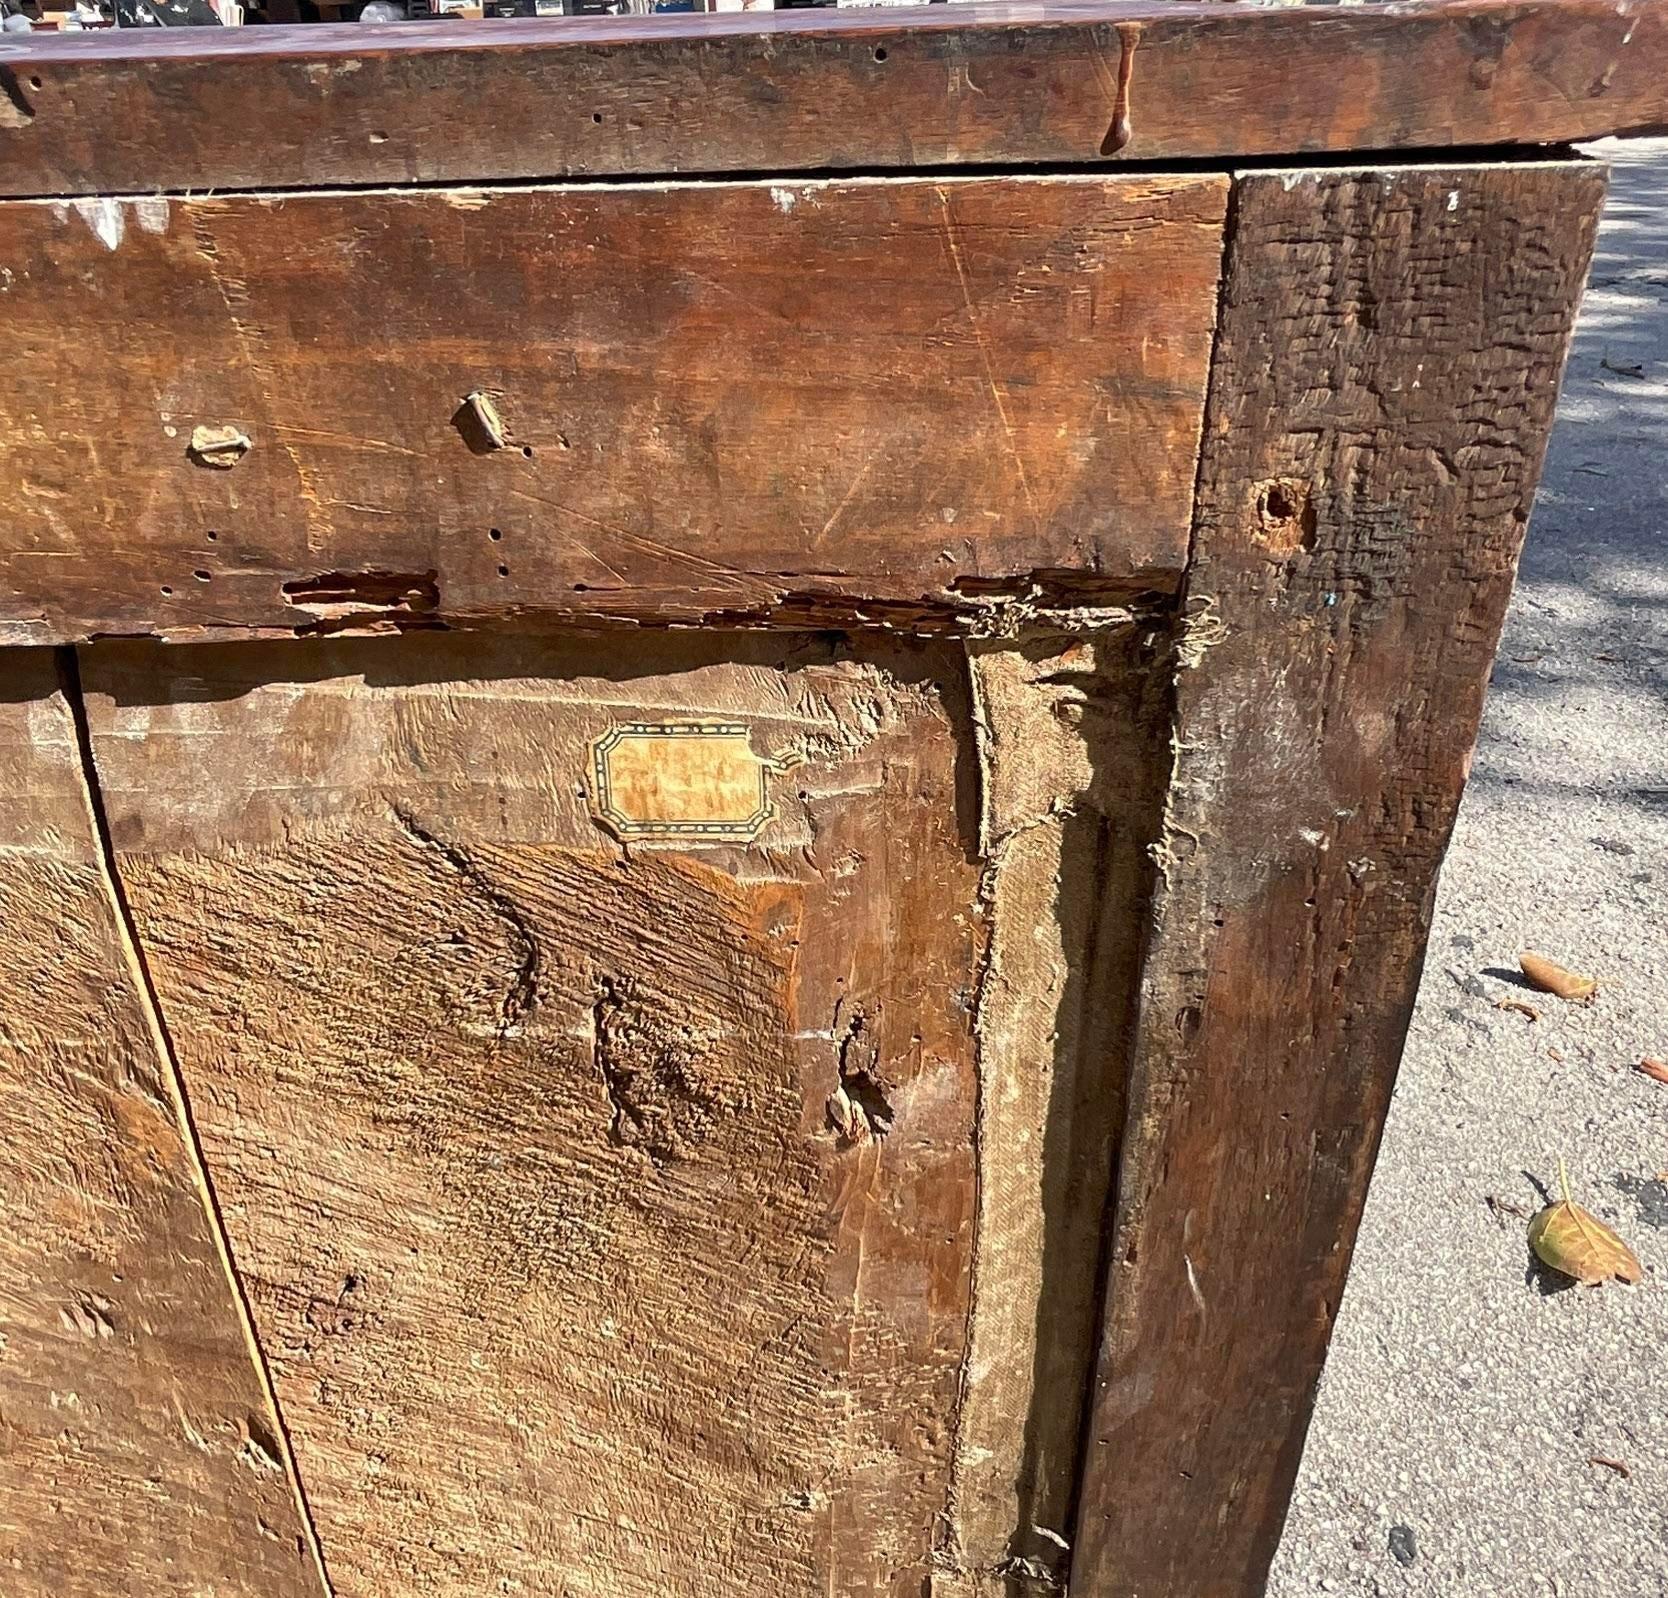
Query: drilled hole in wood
{"type": "Point", "coordinates": [166, 589]}
{"type": "Point", "coordinates": [596, 116]}
{"type": "Point", "coordinates": [880, 52]}
{"type": "Point", "coordinates": [495, 534]}
{"type": "Point", "coordinates": [35, 82]}
{"type": "Point", "coordinates": [379, 138]}
{"type": "Point", "coordinates": [527, 450]}
{"type": "Point", "coordinates": [1279, 503]}
{"type": "Point", "coordinates": [201, 575]}
{"type": "Point", "coordinates": [503, 571]}
{"type": "Point", "coordinates": [1286, 515]}
{"type": "Point", "coordinates": [212, 537]}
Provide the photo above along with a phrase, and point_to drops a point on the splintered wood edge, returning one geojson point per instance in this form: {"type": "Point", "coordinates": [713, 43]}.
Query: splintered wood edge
{"type": "Point", "coordinates": [1072, 81]}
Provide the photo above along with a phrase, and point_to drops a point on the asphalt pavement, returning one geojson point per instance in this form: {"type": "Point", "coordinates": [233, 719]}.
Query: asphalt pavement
{"type": "Point", "coordinates": [1479, 1434]}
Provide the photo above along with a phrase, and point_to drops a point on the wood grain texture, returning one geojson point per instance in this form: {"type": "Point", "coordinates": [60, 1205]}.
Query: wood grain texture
{"type": "Point", "coordinates": [1380, 398]}
{"type": "Point", "coordinates": [568, 1281]}
{"type": "Point", "coordinates": [817, 90]}
{"type": "Point", "coordinates": [1073, 759]}
{"type": "Point", "coordinates": [137, 1452]}
{"type": "Point", "coordinates": [802, 403]}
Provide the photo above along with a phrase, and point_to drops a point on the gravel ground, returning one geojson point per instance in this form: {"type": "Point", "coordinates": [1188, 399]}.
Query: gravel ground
{"type": "Point", "coordinates": [1465, 1398]}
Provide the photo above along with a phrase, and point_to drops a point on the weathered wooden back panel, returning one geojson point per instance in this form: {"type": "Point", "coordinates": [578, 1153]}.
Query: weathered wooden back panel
{"type": "Point", "coordinates": [877, 1103]}
{"type": "Point", "coordinates": [639, 1181]}
{"type": "Point", "coordinates": [522, 1135]}
{"type": "Point", "coordinates": [138, 1449]}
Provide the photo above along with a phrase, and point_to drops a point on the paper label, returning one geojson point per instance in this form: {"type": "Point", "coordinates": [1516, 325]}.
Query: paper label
{"type": "Point", "coordinates": [690, 780]}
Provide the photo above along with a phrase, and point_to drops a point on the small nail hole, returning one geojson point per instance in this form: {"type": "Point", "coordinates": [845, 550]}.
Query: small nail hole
{"type": "Point", "coordinates": [527, 450]}
{"type": "Point", "coordinates": [34, 83]}
{"type": "Point", "coordinates": [201, 575]}
{"type": "Point", "coordinates": [880, 52]}
{"type": "Point", "coordinates": [379, 138]}
{"type": "Point", "coordinates": [494, 534]}
{"type": "Point", "coordinates": [596, 116]}
{"type": "Point", "coordinates": [166, 589]}
{"type": "Point", "coordinates": [562, 439]}
{"type": "Point", "coordinates": [503, 571]}
{"type": "Point", "coordinates": [582, 588]}
{"type": "Point", "coordinates": [213, 538]}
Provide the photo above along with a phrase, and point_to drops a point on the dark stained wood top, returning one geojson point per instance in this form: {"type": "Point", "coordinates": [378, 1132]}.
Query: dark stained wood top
{"type": "Point", "coordinates": [939, 86]}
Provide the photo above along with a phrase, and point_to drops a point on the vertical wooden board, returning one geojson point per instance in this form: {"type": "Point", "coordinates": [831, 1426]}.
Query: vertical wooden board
{"type": "Point", "coordinates": [1388, 360]}
{"type": "Point", "coordinates": [137, 1452]}
{"type": "Point", "coordinates": [1073, 729]}
{"type": "Point", "coordinates": [568, 1280]}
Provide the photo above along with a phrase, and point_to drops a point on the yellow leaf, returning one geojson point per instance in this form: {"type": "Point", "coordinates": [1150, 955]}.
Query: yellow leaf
{"type": "Point", "coordinates": [1576, 1243]}
{"type": "Point", "coordinates": [1552, 978]}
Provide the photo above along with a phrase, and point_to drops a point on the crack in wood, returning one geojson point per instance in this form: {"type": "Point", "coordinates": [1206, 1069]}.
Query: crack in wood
{"type": "Point", "coordinates": [522, 993]}
{"type": "Point", "coordinates": [274, 1440]}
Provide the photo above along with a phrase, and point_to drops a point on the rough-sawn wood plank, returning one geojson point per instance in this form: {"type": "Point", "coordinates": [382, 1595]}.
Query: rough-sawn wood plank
{"type": "Point", "coordinates": [1381, 394]}
{"type": "Point", "coordinates": [138, 1454]}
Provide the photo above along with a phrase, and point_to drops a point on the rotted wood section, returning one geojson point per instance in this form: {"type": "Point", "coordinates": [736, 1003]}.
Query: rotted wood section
{"type": "Point", "coordinates": [816, 403]}
{"type": "Point", "coordinates": [138, 1452]}
{"type": "Point", "coordinates": [1381, 395]}
{"type": "Point", "coordinates": [589, 1043]}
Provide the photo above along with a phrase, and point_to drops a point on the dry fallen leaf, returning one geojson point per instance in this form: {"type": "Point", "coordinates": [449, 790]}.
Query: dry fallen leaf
{"type": "Point", "coordinates": [1611, 1464]}
{"type": "Point", "coordinates": [1518, 1005]}
{"type": "Point", "coordinates": [1552, 978]}
{"type": "Point", "coordinates": [1575, 1243]}
{"type": "Point", "coordinates": [1657, 1070]}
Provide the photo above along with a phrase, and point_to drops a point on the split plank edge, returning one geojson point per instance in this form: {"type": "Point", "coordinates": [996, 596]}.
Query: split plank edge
{"type": "Point", "coordinates": [126, 1381]}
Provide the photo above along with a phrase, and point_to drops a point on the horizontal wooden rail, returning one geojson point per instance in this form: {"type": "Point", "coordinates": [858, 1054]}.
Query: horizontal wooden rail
{"type": "Point", "coordinates": [937, 86]}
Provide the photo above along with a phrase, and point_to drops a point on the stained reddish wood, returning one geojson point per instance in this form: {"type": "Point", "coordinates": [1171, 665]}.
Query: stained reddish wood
{"type": "Point", "coordinates": [812, 402]}
{"type": "Point", "coordinates": [564, 1268]}
{"type": "Point", "coordinates": [137, 1452]}
{"type": "Point", "coordinates": [1380, 397]}
{"type": "Point", "coordinates": [809, 90]}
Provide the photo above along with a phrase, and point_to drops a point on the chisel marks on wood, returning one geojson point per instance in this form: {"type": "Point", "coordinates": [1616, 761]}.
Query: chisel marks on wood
{"type": "Point", "coordinates": [128, 1403]}
{"type": "Point", "coordinates": [598, 1300]}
